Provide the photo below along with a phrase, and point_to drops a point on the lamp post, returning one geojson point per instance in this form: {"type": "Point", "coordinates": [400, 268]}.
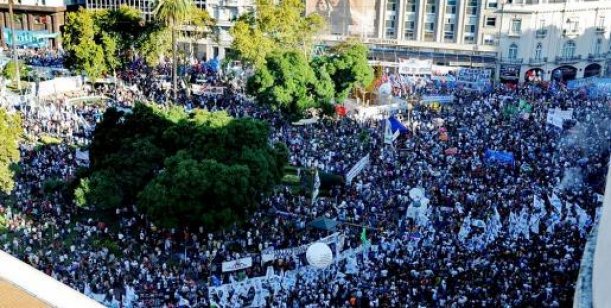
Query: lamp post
{"type": "Point", "coordinates": [12, 25]}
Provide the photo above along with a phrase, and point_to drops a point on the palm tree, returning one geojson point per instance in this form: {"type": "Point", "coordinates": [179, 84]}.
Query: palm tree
{"type": "Point", "coordinates": [173, 13]}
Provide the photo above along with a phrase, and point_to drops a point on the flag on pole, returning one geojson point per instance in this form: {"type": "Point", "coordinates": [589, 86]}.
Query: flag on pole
{"type": "Point", "coordinates": [316, 187]}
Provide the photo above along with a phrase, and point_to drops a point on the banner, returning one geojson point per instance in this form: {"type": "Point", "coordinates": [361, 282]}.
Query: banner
{"type": "Point", "coordinates": [346, 17]}
{"type": "Point", "coordinates": [557, 116]}
{"type": "Point", "coordinates": [270, 255]}
{"type": "Point", "coordinates": [499, 157]}
{"type": "Point", "coordinates": [415, 66]}
{"type": "Point", "coordinates": [237, 265]}
{"type": "Point", "coordinates": [442, 99]}
{"type": "Point", "coordinates": [358, 167]}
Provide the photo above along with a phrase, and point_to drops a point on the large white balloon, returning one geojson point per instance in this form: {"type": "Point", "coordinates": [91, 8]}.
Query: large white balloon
{"type": "Point", "coordinates": [319, 255]}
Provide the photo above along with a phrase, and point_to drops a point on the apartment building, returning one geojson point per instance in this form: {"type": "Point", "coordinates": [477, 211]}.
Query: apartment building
{"type": "Point", "coordinates": [451, 32]}
{"type": "Point", "coordinates": [560, 40]}
{"type": "Point", "coordinates": [215, 45]}
{"type": "Point", "coordinates": [37, 23]}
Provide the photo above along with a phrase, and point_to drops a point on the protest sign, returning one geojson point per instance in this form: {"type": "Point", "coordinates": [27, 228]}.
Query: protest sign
{"type": "Point", "coordinates": [358, 167]}
{"type": "Point", "coordinates": [237, 265]}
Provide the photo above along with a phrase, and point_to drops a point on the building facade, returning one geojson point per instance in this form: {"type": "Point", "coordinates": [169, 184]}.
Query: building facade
{"type": "Point", "coordinates": [37, 23]}
{"type": "Point", "coordinates": [225, 12]}
{"type": "Point", "coordinates": [559, 40]}
{"type": "Point", "coordinates": [451, 32]}
{"type": "Point", "coordinates": [218, 43]}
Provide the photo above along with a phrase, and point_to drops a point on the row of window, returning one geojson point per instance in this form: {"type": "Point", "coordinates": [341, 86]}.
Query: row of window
{"type": "Point", "coordinates": [572, 24]}
{"type": "Point", "coordinates": [567, 52]}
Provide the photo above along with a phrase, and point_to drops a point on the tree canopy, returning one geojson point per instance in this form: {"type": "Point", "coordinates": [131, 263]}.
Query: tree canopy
{"type": "Point", "coordinates": [289, 82]}
{"type": "Point", "coordinates": [181, 168]}
{"type": "Point", "coordinates": [96, 40]}
{"type": "Point", "coordinates": [10, 133]}
{"type": "Point", "coordinates": [348, 67]}
{"type": "Point", "coordinates": [274, 26]}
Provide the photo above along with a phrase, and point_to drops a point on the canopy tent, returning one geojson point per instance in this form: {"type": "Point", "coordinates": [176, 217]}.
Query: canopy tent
{"type": "Point", "coordinates": [324, 223]}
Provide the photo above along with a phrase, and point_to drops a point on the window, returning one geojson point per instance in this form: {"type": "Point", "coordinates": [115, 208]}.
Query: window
{"type": "Point", "coordinates": [542, 24]}
{"type": "Point", "coordinates": [392, 5]}
{"type": "Point", "coordinates": [568, 50]}
{"type": "Point", "coordinates": [516, 26]}
{"type": "Point", "coordinates": [451, 7]}
{"type": "Point", "coordinates": [491, 21]}
{"type": "Point", "coordinates": [489, 40]}
{"type": "Point", "coordinates": [470, 28]}
{"type": "Point", "coordinates": [469, 38]}
{"type": "Point", "coordinates": [429, 27]}
{"type": "Point", "coordinates": [539, 51]}
{"type": "Point", "coordinates": [410, 6]}
{"type": "Point", "coordinates": [598, 46]}
{"type": "Point", "coordinates": [410, 34]}
{"type": "Point", "coordinates": [601, 22]}
{"type": "Point", "coordinates": [513, 51]}
{"type": "Point", "coordinates": [492, 3]}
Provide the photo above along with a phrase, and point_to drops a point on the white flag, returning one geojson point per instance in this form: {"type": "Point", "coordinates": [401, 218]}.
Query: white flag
{"type": "Point", "coordinates": [316, 187]}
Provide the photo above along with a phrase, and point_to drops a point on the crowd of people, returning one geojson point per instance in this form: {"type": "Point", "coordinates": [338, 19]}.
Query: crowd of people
{"type": "Point", "coordinates": [489, 235]}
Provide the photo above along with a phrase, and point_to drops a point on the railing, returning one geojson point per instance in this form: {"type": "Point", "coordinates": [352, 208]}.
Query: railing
{"type": "Point", "coordinates": [601, 29]}
{"type": "Point", "coordinates": [568, 60]}
{"type": "Point", "coordinates": [541, 33]}
{"type": "Point", "coordinates": [512, 60]}
{"type": "Point", "coordinates": [537, 61]}
{"type": "Point", "coordinates": [597, 56]}
{"type": "Point", "coordinates": [570, 33]}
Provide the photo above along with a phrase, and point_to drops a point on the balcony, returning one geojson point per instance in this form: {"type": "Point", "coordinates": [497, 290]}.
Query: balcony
{"type": "Point", "coordinates": [570, 33]}
{"type": "Point", "coordinates": [597, 57]}
{"type": "Point", "coordinates": [514, 33]}
{"type": "Point", "coordinates": [512, 60]}
{"type": "Point", "coordinates": [541, 33]}
{"type": "Point", "coordinates": [537, 61]}
{"type": "Point", "coordinates": [568, 60]}
{"type": "Point", "coordinates": [601, 29]}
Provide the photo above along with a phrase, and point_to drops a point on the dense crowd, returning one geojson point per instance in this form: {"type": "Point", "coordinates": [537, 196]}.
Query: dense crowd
{"type": "Point", "coordinates": [533, 215]}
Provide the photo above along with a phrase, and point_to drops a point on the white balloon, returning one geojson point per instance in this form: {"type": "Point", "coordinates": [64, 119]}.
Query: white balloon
{"type": "Point", "coordinates": [319, 255]}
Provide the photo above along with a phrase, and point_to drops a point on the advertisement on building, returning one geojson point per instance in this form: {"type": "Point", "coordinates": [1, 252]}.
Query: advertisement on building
{"type": "Point", "coordinates": [27, 38]}
{"type": "Point", "coordinates": [347, 17]}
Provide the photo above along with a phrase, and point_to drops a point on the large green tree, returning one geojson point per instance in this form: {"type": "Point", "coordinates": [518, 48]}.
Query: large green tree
{"type": "Point", "coordinates": [173, 13]}
{"type": "Point", "coordinates": [287, 81]}
{"type": "Point", "coordinates": [10, 134]}
{"type": "Point", "coordinates": [348, 67]}
{"type": "Point", "coordinates": [274, 26]}
{"type": "Point", "coordinates": [181, 168]}
{"type": "Point", "coordinates": [83, 53]}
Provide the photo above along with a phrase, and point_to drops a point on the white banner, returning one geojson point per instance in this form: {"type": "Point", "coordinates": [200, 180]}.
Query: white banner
{"type": "Point", "coordinates": [237, 265]}
{"type": "Point", "coordinates": [271, 255]}
{"type": "Point", "coordinates": [59, 85]}
{"type": "Point", "coordinates": [415, 67]}
{"type": "Point", "coordinates": [358, 167]}
{"type": "Point", "coordinates": [437, 98]}
{"type": "Point", "coordinates": [557, 116]}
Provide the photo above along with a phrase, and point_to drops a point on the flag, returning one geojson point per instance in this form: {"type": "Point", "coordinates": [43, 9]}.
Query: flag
{"type": "Point", "coordinates": [316, 187]}
{"type": "Point", "coordinates": [556, 203]}
{"type": "Point", "coordinates": [388, 134]}
{"type": "Point", "coordinates": [364, 239]}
